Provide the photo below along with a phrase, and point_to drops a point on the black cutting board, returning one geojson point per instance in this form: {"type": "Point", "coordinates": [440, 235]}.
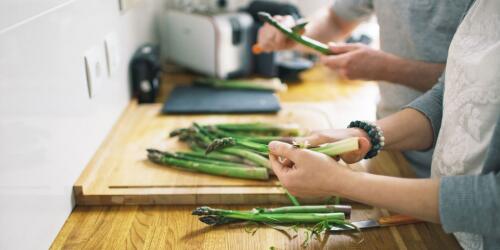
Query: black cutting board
{"type": "Point", "coordinates": [207, 100]}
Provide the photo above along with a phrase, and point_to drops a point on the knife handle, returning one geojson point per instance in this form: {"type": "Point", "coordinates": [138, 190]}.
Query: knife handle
{"type": "Point", "coordinates": [397, 220]}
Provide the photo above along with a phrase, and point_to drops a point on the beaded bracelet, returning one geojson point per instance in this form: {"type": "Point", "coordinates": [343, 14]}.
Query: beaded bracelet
{"type": "Point", "coordinates": [374, 132]}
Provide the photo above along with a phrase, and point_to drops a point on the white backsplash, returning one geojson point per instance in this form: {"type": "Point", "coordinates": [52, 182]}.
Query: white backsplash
{"type": "Point", "coordinates": [49, 127]}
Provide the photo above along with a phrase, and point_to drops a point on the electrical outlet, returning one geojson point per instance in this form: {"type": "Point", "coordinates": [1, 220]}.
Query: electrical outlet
{"type": "Point", "coordinates": [128, 4]}
{"type": "Point", "coordinates": [112, 47]}
{"type": "Point", "coordinates": [95, 69]}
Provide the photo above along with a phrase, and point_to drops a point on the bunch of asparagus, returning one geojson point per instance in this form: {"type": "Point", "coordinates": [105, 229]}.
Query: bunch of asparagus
{"type": "Point", "coordinates": [236, 150]}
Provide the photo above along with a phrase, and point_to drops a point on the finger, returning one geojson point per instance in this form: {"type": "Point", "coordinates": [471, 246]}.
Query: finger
{"type": "Point", "coordinates": [265, 38]}
{"type": "Point", "coordinates": [284, 150]}
{"type": "Point", "coordinates": [337, 48]}
{"type": "Point", "coordinates": [335, 62]}
{"type": "Point", "coordinates": [277, 167]}
{"type": "Point", "coordinates": [355, 156]}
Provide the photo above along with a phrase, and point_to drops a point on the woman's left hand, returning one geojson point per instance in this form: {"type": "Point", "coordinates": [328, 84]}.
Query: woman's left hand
{"type": "Point", "coordinates": [305, 173]}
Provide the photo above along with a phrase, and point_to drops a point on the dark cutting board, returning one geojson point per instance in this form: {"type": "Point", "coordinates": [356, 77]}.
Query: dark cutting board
{"type": "Point", "coordinates": [206, 100]}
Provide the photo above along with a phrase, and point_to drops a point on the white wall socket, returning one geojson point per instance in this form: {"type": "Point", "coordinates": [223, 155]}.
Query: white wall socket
{"type": "Point", "coordinates": [128, 4]}
{"type": "Point", "coordinates": [112, 46]}
{"type": "Point", "coordinates": [95, 69]}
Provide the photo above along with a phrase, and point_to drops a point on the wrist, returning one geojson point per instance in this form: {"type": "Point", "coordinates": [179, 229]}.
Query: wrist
{"type": "Point", "coordinates": [374, 134]}
{"type": "Point", "coordinates": [343, 183]}
{"type": "Point", "coordinates": [391, 62]}
{"type": "Point", "coordinates": [358, 132]}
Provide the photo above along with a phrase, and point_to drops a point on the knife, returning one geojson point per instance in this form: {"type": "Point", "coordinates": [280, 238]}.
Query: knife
{"type": "Point", "coordinates": [393, 220]}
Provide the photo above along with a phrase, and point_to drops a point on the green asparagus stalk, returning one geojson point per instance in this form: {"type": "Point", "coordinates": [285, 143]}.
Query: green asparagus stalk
{"type": "Point", "coordinates": [260, 127]}
{"type": "Point", "coordinates": [188, 157]}
{"type": "Point", "coordinates": [211, 218]}
{"type": "Point", "coordinates": [249, 155]}
{"type": "Point", "coordinates": [217, 156]}
{"type": "Point", "coordinates": [330, 149]}
{"type": "Point", "coordinates": [308, 209]}
{"type": "Point", "coordinates": [230, 141]}
{"type": "Point", "coordinates": [292, 198]}
{"type": "Point", "coordinates": [273, 218]}
{"type": "Point", "coordinates": [296, 36]}
{"type": "Point", "coordinates": [252, 138]}
{"type": "Point", "coordinates": [166, 158]}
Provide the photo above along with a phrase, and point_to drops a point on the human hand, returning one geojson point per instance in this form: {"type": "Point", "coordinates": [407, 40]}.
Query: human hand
{"type": "Point", "coordinates": [304, 173]}
{"type": "Point", "coordinates": [271, 39]}
{"type": "Point", "coordinates": [317, 138]}
{"type": "Point", "coordinates": [357, 61]}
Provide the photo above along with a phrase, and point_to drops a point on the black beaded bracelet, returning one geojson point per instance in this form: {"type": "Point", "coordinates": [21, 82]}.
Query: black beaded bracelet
{"type": "Point", "coordinates": [374, 132]}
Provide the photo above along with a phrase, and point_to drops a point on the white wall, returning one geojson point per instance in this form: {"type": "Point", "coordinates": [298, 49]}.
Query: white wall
{"type": "Point", "coordinates": [306, 7]}
{"type": "Point", "coordinates": [49, 127]}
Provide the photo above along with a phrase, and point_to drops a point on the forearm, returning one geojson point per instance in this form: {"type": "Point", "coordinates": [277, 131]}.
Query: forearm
{"type": "Point", "coordinates": [411, 73]}
{"type": "Point", "coordinates": [414, 197]}
{"type": "Point", "coordinates": [326, 26]}
{"type": "Point", "coordinates": [407, 129]}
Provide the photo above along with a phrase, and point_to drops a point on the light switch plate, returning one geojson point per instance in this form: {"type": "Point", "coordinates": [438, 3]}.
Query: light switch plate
{"type": "Point", "coordinates": [112, 46]}
{"type": "Point", "coordinates": [95, 69]}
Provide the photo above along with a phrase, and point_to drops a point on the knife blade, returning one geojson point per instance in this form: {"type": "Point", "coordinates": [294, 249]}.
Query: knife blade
{"type": "Point", "coordinates": [393, 220]}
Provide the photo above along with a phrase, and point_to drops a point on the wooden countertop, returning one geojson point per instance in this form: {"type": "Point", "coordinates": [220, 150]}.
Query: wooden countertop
{"type": "Point", "coordinates": [173, 227]}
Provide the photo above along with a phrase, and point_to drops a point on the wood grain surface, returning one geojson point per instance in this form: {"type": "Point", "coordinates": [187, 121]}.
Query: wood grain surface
{"type": "Point", "coordinates": [172, 227]}
{"type": "Point", "coordinates": [121, 174]}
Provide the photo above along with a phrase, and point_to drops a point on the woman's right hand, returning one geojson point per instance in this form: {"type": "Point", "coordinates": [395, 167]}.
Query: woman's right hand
{"type": "Point", "coordinates": [317, 138]}
{"type": "Point", "coordinates": [271, 39]}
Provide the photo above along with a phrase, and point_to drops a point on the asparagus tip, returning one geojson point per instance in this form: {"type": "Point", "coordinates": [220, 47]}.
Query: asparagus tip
{"type": "Point", "coordinates": [210, 219]}
{"type": "Point", "coordinates": [263, 16]}
{"type": "Point", "coordinates": [201, 211]}
{"type": "Point", "coordinates": [220, 143]}
{"type": "Point", "coordinates": [154, 155]}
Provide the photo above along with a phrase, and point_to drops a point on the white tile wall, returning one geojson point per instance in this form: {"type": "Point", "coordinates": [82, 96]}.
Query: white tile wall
{"type": "Point", "coordinates": [49, 128]}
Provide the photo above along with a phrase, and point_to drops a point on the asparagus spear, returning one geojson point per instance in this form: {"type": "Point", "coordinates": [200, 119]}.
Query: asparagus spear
{"type": "Point", "coordinates": [308, 209]}
{"type": "Point", "coordinates": [331, 149]}
{"type": "Point", "coordinates": [296, 36]}
{"type": "Point", "coordinates": [236, 172]}
{"type": "Point", "coordinates": [249, 155]}
{"type": "Point", "coordinates": [189, 157]}
{"type": "Point", "coordinates": [273, 218]}
{"type": "Point", "coordinates": [200, 153]}
{"type": "Point", "coordinates": [260, 127]}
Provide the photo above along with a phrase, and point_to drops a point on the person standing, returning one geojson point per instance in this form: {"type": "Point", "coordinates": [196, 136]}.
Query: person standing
{"type": "Point", "coordinates": [460, 116]}
{"type": "Point", "coordinates": [414, 41]}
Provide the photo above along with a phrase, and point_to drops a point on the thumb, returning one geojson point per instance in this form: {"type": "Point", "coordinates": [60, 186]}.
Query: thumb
{"type": "Point", "coordinates": [355, 156]}
{"type": "Point", "coordinates": [341, 48]}
{"type": "Point", "coordinates": [286, 150]}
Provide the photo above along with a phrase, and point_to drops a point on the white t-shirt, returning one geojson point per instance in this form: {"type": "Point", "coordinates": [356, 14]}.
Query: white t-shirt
{"type": "Point", "coordinates": [471, 99]}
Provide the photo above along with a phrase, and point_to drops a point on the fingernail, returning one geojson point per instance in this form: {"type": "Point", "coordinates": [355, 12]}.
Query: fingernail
{"type": "Point", "coordinates": [273, 146]}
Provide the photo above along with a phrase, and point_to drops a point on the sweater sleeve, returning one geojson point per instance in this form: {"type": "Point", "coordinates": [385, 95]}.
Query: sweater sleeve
{"type": "Point", "coordinates": [470, 203]}
{"type": "Point", "coordinates": [430, 104]}
{"type": "Point", "coordinates": [352, 10]}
